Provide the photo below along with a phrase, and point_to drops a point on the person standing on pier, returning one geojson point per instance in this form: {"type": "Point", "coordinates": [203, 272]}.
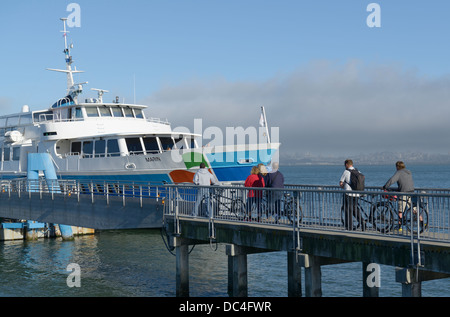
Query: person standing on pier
{"type": "Point", "coordinates": [254, 196]}
{"type": "Point", "coordinates": [350, 199]}
{"type": "Point", "coordinates": [404, 180]}
{"type": "Point", "coordinates": [203, 178]}
{"type": "Point", "coordinates": [275, 179]}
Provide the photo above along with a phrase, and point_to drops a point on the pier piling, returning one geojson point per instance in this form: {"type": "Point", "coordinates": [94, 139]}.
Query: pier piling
{"type": "Point", "coordinates": [237, 271]}
{"type": "Point", "coordinates": [182, 266]}
{"type": "Point", "coordinates": [294, 275]}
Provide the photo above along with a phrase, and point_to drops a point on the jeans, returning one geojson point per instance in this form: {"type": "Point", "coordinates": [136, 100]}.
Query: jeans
{"type": "Point", "coordinates": [202, 194]}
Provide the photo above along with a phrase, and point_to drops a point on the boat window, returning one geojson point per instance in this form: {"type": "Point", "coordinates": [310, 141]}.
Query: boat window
{"type": "Point", "coordinates": [191, 143]}
{"type": "Point", "coordinates": [178, 139]}
{"type": "Point", "coordinates": [128, 112]}
{"type": "Point", "coordinates": [105, 112]}
{"type": "Point", "coordinates": [179, 142]}
{"type": "Point", "coordinates": [113, 148]}
{"type": "Point", "coordinates": [75, 148]}
{"type": "Point", "coordinates": [25, 119]}
{"type": "Point", "coordinates": [151, 145]}
{"type": "Point", "coordinates": [117, 112]}
{"type": "Point", "coordinates": [43, 116]}
{"type": "Point", "coordinates": [78, 113]}
{"type": "Point", "coordinates": [6, 153]}
{"type": "Point", "coordinates": [134, 146]}
{"type": "Point", "coordinates": [100, 148]}
{"type": "Point", "coordinates": [166, 144]}
{"type": "Point", "coordinates": [12, 121]}
{"type": "Point", "coordinates": [16, 154]}
{"type": "Point", "coordinates": [88, 148]}
{"type": "Point", "coordinates": [91, 111]}
{"type": "Point", "coordinates": [138, 113]}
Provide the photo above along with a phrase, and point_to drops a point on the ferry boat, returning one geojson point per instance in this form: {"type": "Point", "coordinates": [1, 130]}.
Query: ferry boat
{"type": "Point", "coordinates": [90, 139]}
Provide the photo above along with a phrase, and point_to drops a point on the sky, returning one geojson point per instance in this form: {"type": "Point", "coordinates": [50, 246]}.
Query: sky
{"type": "Point", "coordinates": [329, 82]}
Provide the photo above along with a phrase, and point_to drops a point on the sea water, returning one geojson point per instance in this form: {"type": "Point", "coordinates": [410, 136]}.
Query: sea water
{"type": "Point", "coordinates": [131, 263]}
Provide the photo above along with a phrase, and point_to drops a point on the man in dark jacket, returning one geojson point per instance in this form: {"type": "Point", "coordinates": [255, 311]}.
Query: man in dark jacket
{"type": "Point", "coordinates": [275, 179]}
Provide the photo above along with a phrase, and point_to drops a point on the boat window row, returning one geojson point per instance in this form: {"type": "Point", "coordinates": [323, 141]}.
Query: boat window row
{"type": "Point", "coordinates": [114, 111]}
{"type": "Point", "coordinates": [10, 154]}
{"type": "Point", "coordinates": [79, 113]}
{"type": "Point", "coordinates": [125, 146]}
{"type": "Point", "coordinates": [98, 148]}
{"type": "Point", "coordinates": [16, 120]}
{"type": "Point", "coordinates": [150, 145]}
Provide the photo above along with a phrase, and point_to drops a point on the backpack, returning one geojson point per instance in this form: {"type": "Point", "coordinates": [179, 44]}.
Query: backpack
{"type": "Point", "coordinates": [357, 180]}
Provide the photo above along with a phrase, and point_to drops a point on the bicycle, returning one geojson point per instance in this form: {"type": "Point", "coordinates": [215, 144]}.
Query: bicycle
{"type": "Point", "coordinates": [291, 207]}
{"type": "Point", "coordinates": [378, 218]}
{"type": "Point", "coordinates": [224, 205]}
{"type": "Point", "coordinates": [410, 218]}
{"type": "Point", "coordinates": [270, 206]}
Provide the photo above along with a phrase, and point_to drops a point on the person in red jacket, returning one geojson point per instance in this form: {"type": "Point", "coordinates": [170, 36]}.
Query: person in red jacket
{"type": "Point", "coordinates": [254, 196]}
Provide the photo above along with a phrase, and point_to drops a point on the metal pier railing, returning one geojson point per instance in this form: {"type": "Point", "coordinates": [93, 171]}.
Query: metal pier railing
{"type": "Point", "coordinates": [375, 212]}
{"type": "Point", "coordinates": [425, 216]}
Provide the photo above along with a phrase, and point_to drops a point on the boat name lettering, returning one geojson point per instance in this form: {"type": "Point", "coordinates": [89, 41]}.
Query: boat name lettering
{"type": "Point", "coordinates": [153, 159]}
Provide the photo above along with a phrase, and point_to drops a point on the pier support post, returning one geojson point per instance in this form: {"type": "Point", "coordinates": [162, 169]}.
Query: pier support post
{"type": "Point", "coordinates": [411, 286]}
{"type": "Point", "coordinates": [313, 272]}
{"type": "Point", "coordinates": [313, 275]}
{"type": "Point", "coordinates": [182, 267]}
{"type": "Point", "coordinates": [294, 275]}
{"type": "Point", "coordinates": [237, 271]}
{"type": "Point", "coordinates": [412, 278]}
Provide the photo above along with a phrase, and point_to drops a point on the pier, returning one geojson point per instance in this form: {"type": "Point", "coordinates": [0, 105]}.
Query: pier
{"type": "Point", "coordinates": [307, 222]}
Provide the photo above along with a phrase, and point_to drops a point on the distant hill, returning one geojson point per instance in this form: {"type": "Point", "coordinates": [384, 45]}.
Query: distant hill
{"type": "Point", "coordinates": [381, 158]}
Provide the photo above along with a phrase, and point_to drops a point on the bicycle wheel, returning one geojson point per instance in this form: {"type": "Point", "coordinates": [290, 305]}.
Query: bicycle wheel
{"type": "Point", "coordinates": [238, 208]}
{"type": "Point", "coordinates": [414, 222]}
{"type": "Point", "coordinates": [382, 217]}
{"type": "Point", "coordinates": [290, 209]}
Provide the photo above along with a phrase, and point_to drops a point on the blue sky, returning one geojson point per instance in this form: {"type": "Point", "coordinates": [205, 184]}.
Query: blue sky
{"type": "Point", "coordinates": [314, 65]}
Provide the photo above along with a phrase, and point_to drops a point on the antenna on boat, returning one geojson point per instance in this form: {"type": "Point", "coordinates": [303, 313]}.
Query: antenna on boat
{"type": "Point", "coordinates": [72, 89]}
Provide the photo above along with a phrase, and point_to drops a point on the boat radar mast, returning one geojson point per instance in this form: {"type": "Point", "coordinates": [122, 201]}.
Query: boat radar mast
{"type": "Point", "coordinates": [100, 94]}
{"type": "Point", "coordinates": [73, 89]}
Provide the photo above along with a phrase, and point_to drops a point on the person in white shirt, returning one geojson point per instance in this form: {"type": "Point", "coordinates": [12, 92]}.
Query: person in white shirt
{"type": "Point", "coordinates": [350, 199]}
{"type": "Point", "coordinates": [203, 178]}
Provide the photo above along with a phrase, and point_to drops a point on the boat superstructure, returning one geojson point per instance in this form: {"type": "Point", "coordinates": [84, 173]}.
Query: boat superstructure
{"type": "Point", "coordinates": [93, 139]}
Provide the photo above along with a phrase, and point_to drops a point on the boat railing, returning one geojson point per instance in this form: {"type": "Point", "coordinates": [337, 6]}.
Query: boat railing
{"type": "Point", "coordinates": [158, 120]}
{"type": "Point", "coordinates": [50, 117]}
